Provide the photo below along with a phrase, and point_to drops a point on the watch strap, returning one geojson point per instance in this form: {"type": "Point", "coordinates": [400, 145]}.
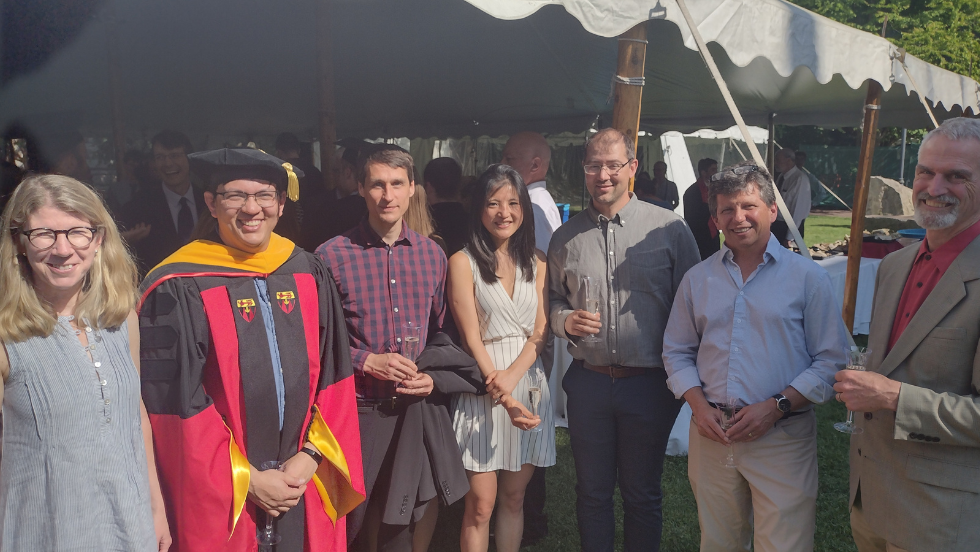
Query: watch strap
{"type": "Point", "coordinates": [316, 456]}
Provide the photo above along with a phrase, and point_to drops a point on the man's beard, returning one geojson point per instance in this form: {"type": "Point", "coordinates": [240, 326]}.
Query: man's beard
{"type": "Point", "coordinates": [936, 221]}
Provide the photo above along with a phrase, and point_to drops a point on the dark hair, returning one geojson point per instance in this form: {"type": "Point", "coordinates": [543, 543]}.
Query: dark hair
{"type": "Point", "coordinates": [521, 244]}
{"type": "Point", "coordinates": [171, 139]}
{"type": "Point", "coordinates": [384, 154]}
{"type": "Point", "coordinates": [705, 164]}
{"type": "Point", "coordinates": [351, 150]}
{"type": "Point", "coordinates": [730, 183]}
{"type": "Point", "coordinates": [288, 142]}
{"type": "Point", "coordinates": [644, 185]}
{"type": "Point", "coordinates": [606, 138]}
{"type": "Point", "coordinates": [444, 173]}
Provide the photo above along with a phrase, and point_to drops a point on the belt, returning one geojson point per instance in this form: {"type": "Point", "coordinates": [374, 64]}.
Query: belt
{"type": "Point", "coordinates": [789, 415]}
{"type": "Point", "coordinates": [391, 403]}
{"type": "Point", "coordinates": [616, 372]}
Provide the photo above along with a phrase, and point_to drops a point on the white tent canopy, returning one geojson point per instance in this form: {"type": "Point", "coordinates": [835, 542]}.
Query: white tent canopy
{"type": "Point", "coordinates": [227, 68]}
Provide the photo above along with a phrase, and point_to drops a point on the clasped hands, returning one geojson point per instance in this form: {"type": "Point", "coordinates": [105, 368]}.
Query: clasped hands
{"type": "Point", "coordinates": [500, 385]}
{"type": "Point", "coordinates": [276, 491]}
{"type": "Point", "coordinates": [749, 423]}
{"type": "Point", "coordinates": [394, 367]}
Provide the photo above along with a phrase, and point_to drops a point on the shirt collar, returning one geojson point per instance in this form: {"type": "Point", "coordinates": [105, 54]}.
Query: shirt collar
{"type": "Point", "coordinates": [371, 238]}
{"type": "Point", "coordinates": [944, 256]}
{"type": "Point", "coordinates": [173, 199]}
{"type": "Point", "coordinates": [621, 217]}
{"type": "Point", "coordinates": [540, 184]}
{"type": "Point", "coordinates": [772, 253]}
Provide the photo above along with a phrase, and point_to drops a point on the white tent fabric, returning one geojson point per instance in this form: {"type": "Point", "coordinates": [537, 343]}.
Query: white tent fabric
{"type": "Point", "coordinates": [227, 69]}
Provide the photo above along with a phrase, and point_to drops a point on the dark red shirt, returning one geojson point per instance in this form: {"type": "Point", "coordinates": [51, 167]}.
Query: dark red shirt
{"type": "Point", "coordinates": [927, 270]}
{"type": "Point", "coordinates": [383, 287]}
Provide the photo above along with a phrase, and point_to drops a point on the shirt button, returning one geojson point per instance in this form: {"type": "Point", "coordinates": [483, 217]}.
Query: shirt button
{"type": "Point", "coordinates": [88, 330]}
{"type": "Point", "coordinates": [107, 401]}
{"type": "Point", "coordinates": [610, 252]}
{"type": "Point", "coordinates": [103, 383]}
{"type": "Point", "coordinates": [614, 350]}
{"type": "Point", "coordinates": [928, 257]}
{"type": "Point", "coordinates": [741, 293]}
{"type": "Point", "coordinates": [396, 309]}
{"type": "Point", "coordinates": [393, 280]}
{"type": "Point", "coordinates": [107, 420]}
{"type": "Point", "coordinates": [398, 339]}
{"type": "Point", "coordinates": [735, 349]}
{"type": "Point", "coordinates": [919, 284]}
{"type": "Point", "coordinates": [98, 364]}
{"type": "Point", "coordinates": [612, 301]}
{"type": "Point", "coordinates": [613, 327]}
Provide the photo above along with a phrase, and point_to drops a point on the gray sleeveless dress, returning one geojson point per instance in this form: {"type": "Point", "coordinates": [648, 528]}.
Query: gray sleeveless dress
{"type": "Point", "coordinates": [73, 473]}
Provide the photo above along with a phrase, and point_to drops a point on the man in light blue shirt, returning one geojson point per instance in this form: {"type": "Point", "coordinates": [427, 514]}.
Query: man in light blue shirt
{"type": "Point", "coordinates": [760, 324]}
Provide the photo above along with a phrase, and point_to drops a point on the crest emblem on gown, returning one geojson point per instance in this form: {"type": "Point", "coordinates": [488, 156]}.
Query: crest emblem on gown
{"type": "Point", "coordinates": [246, 307]}
{"type": "Point", "coordinates": [287, 300]}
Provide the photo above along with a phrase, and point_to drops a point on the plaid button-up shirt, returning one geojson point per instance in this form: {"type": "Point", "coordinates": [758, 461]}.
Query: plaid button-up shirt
{"type": "Point", "coordinates": [382, 288]}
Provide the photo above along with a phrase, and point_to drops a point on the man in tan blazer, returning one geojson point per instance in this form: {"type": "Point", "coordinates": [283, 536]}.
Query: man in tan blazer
{"type": "Point", "coordinates": [915, 470]}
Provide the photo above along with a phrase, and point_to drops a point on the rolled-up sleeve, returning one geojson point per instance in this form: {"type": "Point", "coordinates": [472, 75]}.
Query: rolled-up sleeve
{"type": "Point", "coordinates": [826, 340]}
{"type": "Point", "coordinates": [681, 343]}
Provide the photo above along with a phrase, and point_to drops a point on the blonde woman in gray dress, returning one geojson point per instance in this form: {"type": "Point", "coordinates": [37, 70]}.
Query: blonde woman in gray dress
{"type": "Point", "coordinates": [77, 471]}
{"type": "Point", "coordinates": [497, 295]}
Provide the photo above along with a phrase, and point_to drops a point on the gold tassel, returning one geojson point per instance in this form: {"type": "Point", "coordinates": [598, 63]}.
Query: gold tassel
{"type": "Point", "coordinates": [292, 190]}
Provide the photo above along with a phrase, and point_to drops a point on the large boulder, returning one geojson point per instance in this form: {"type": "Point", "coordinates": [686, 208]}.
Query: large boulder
{"type": "Point", "coordinates": [889, 197]}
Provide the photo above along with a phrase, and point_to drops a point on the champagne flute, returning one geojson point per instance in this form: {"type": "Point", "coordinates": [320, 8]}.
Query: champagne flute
{"type": "Point", "coordinates": [534, 382]}
{"type": "Point", "coordinates": [591, 287]}
{"type": "Point", "coordinates": [857, 359]}
{"type": "Point", "coordinates": [727, 421]}
{"type": "Point", "coordinates": [267, 537]}
{"type": "Point", "coordinates": [411, 340]}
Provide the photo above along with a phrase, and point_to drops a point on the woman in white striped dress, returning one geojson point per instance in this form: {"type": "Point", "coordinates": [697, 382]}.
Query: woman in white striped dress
{"type": "Point", "coordinates": [497, 295]}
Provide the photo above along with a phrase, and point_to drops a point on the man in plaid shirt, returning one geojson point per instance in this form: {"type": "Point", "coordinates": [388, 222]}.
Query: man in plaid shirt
{"type": "Point", "coordinates": [388, 276]}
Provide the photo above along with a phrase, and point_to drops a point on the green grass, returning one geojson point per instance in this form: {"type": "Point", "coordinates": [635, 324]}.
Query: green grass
{"type": "Point", "coordinates": [681, 532]}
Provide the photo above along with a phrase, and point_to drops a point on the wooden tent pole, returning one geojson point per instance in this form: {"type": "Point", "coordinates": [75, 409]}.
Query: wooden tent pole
{"type": "Point", "coordinates": [872, 106]}
{"type": "Point", "coordinates": [327, 110]}
{"type": "Point", "coordinates": [771, 146]}
{"type": "Point", "coordinates": [629, 82]}
{"type": "Point", "coordinates": [115, 89]}
{"type": "Point", "coordinates": [753, 149]}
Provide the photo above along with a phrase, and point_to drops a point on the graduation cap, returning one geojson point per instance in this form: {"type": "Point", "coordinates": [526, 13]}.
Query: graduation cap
{"type": "Point", "coordinates": [217, 167]}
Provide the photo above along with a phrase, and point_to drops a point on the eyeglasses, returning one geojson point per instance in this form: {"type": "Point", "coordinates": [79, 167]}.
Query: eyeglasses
{"type": "Point", "coordinates": [45, 238]}
{"type": "Point", "coordinates": [612, 168]}
{"type": "Point", "coordinates": [737, 171]}
{"type": "Point", "coordinates": [237, 200]}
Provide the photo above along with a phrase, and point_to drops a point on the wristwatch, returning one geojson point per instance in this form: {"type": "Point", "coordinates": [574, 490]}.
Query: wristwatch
{"type": "Point", "coordinates": [316, 456]}
{"type": "Point", "coordinates": [783, 404]}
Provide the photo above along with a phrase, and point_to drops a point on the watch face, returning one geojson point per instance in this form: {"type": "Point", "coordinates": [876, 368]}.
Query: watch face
{"type": "Point", "coordinates": [782, 403]}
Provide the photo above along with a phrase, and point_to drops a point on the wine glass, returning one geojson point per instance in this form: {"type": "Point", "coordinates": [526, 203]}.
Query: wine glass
{"type": "Point", "coordinates": [591, 287]}
{"type": "Point", "coordinates": [534, 383]}
{"type": "Point", "coordinates": [727, 421]}
{"type": "Point", "coordinates": [267, 536]}
{"type": "Point", "coordinates": [411, 340]}
{"type": "Point", "coordinates": [857, 359]}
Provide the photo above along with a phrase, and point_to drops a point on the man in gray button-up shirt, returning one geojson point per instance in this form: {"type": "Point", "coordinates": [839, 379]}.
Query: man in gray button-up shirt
{"type": "Point", "coordinates": [620, 410]}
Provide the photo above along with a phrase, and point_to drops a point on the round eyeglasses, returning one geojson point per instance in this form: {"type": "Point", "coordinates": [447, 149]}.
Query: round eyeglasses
{"type": "Point", "coordinates": [45, 238]}
{"type": "Point", "coordinates": [237, 200]}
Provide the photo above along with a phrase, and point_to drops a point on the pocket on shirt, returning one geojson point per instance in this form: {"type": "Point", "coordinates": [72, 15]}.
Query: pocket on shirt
{"type": "Point", "coordinates": [650, 269]}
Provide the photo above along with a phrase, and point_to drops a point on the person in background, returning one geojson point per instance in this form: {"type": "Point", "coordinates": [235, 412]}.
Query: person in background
{"type": "Point", "coordinates": [530, 155]}
{"type": "Point", "coordinates": [442, 177]}
{"type": "Point", "coordinates": [161, 218]}
{"type": "Point", "coordinates": [71, 342]}
{"type": "Point", "coordinates": [311, 187]}
{"type": "Point", "coordinates": [497, 294]}
{"type": "Point", "coordinates": [758, 325]}
{"type": "Point", "coordinates": [347, 210]}
{"type": "Point", "coordinates": [388, 276]}
{"type": "Point", "coordinates": [664, 190]}
{"type": "Point", "coordinates": [419, 218]}
{"type": "Point", "coordinates": [620, 411]}
{"type": "Point", "coordinates": [817, 192]}
{"type": "Point", "coordinates": [794, 186]}
{"type": "Point", "coordinates": [696, 211]}
{"type": "Point", "coordinates": [914, 468]}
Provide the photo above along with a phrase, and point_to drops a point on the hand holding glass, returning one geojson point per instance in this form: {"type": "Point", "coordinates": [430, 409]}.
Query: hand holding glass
{"type": "Point", "coordinates": [533, 403]}
{"type": "Point", "coordinates": [727, 421]}
{"type": "Point", "coordinates": [591, 287]}
{"type": "Point", "coordinates": [267, 536]}
{"type": "Point", "coordinates": [857, 359]}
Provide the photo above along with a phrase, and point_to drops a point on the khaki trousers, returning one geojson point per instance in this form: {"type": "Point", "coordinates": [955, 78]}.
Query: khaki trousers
{"type": "Point", "coordinates": [775, 483]}
{"type": "Point", "coordinates": [865, 537]}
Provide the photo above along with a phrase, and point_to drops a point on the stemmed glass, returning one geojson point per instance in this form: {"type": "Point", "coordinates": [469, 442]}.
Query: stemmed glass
{"type": "Point", "coordinates": [727, 421]}
{"type": "Point", "coordinates": [267, 536]}
{"type": "Point", "coordinates": [591, 287]}
{"type": "Point", "coordinates": [533, 395]}
{"type": "Point", "coordinates": [857, 359]}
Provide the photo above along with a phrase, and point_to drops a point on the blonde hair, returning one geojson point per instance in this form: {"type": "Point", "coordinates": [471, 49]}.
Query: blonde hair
{"type": "Point", "coordinates": [109, 291]}
{"type": "Point", "coordinates": [418, 216]}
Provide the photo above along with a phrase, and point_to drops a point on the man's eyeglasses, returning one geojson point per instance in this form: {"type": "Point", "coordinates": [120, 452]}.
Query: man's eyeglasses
{"type": "Point", "coordinates": [44, 238]}
{"type": "Point", "coordinates": [611, 168]}
{"type": "Point", "coordinates": [237, 200]}
{"type": "Point", "coordinates": [737, 171]}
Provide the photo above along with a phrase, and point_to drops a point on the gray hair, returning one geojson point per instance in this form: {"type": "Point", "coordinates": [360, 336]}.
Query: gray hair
{"type": "Point", "coordinates": [958, 128]}
{"type": "Point", "coordinates": [729, 184]}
